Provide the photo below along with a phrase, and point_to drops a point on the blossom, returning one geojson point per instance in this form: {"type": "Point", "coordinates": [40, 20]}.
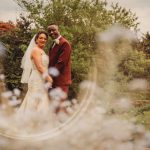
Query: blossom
{"type": "Point", "coordinates": [16, 92]}
{"type": "Point", "coordinates": [2, 76]}
{"type": "Point", "coordinates": [56, 41]}
{"type": "Point", "coordinates": [57, 94]}
{"type": "Point", "coordinates": [138, 84]}
{"type": "Point", "coordinates": [7, 94]}
{"type": "Point", "coordinates": [53, 71]}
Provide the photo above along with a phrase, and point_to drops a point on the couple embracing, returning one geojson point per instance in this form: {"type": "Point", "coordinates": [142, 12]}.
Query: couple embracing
{"type": "Point", "coordinates": [39, 68]}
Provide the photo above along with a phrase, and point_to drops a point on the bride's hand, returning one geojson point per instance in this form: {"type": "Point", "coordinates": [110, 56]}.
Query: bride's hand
{"type": "Point", "coordinates": [49, 79]}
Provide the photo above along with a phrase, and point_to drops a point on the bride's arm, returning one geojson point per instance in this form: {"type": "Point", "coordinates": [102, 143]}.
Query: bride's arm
{"type": "Point", "coordinates": [36, 56]}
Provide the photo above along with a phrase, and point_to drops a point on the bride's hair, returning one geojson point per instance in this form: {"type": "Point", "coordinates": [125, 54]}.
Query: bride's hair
{"type": "Point", "coordinates": [41, 32]}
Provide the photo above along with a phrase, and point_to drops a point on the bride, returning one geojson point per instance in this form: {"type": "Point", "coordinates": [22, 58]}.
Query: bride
{"type": "Point", "coordinates": [35, 73]}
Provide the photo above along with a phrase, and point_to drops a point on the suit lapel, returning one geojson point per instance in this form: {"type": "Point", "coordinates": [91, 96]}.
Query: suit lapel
{"type": "Point", "coordinates": [51, 46]}
{"type": "Point", "coordinates": [56, 47]}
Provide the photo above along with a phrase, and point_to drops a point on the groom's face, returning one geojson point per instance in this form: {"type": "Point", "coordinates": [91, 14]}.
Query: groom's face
{"type": "Point", "coordinates": [53, 31]}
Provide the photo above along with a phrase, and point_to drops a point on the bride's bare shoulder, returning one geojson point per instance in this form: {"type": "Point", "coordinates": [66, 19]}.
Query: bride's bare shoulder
{"type": "Point", "coordinates": [36, 51]}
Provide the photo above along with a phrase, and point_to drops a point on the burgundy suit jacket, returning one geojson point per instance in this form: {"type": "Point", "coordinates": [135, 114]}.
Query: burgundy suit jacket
{"type": "Point", "coordinates": [61, 61]}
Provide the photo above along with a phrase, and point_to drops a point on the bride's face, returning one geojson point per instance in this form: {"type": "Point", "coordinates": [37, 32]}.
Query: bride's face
{"type": "Point", "coordinates": [41, 40]}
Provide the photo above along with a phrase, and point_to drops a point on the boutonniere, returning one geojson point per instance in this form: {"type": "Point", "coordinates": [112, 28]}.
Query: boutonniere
{"type": "Point", "coordinates": [56, 41]}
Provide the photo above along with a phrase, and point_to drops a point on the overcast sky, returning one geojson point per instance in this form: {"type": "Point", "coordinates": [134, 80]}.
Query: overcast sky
{"type": "Point", "coordinates": [9, 10]}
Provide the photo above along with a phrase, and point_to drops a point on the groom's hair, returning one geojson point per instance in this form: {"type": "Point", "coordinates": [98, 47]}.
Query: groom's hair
{"type": "Point", "coordinates": [53, 24]}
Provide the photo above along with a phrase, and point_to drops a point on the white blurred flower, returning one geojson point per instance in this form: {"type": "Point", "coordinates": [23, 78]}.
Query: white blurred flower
{"type": "Point", "coordinates": [13, 98]}
{"type": "Point", "coordinates": [66, 104]}
{"type": "Point", "coordinates": [124, 146]}
{"type": "Point", "coordinates": [47, 85]}
{"type": "Point", "coordinates": [138, 84]}
{"type": "Point", "coordinates": [147, 138]}
{"type": "Point", "coordinates": [3, 106]}
{"type": "Point", "coordinates": [75, 106]}
{"type": "Point", "coordinates": [53, 71]}
{"type": "Point", "coordinates": [124, 104]}
{"type": "Point", "coordinates": [7, 94]}
{"type": "Point", "coordinates": [57, 94]}
{"type": "Point", "coordinates": [2, 76]}
{"type": "Point", "coordinates": [115, 32]}
{"type": "Point", "coordinates": [99, 110]}
{"type": "Point", "coordinates": [87, 84]}
{"type": "Point", "coordinates": [17, 92]}
{"type": "Point", "coordinates": [62, 117]}
{"type": "Point", "coordinates": [140, 144]}
{"type": "Point", "coordinates": [14, 102]}
{"type": "Point", "coordinates": [55, 104]}
{"type": "Point", "coordinates": [69, 110]}
{"type": "Point", "coordinates": [117, 129]}
{"type": "Point", "coordinates": [3, 142]}
{"type": "Point", "coordinates": [140, 129]}
{"type": "Point", "coordinates": [74, 101]}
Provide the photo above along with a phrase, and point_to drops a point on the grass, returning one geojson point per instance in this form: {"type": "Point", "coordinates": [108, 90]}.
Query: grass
{"type": "Point", "coordinates": [143, 117]}
{"type": "Point", "coordinates": [140, 113]}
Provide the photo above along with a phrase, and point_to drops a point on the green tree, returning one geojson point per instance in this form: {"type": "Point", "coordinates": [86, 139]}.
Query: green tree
{"type": "Point", "coordinates": [124, 17]}
{"type": "Point", "coordinates": [135, 65]}
{"type": "Point", "coordinates": [15, 42]}
{"type": "Point", "coordinates": [144, 44]}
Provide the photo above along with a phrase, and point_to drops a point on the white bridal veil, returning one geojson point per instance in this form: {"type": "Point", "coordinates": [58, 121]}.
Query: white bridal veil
{"type": "Point", "coordinates": [26, 63]}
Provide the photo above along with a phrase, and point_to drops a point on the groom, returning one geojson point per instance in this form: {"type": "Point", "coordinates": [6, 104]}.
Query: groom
{"type": "Point", "coordinates": [60, 58]}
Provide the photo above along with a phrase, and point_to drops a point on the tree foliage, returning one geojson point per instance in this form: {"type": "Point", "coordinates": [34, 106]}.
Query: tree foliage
{"type": "Point", "coordinates": [135, 65]}
{"type": "Point", "coordinates": [144, 44]}
{"type": "Point", "coordinates": [15, 42]}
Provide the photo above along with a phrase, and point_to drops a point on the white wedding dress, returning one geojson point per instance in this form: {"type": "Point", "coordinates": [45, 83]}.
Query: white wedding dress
{"type": "Point", "coordinates": [36, 98]}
